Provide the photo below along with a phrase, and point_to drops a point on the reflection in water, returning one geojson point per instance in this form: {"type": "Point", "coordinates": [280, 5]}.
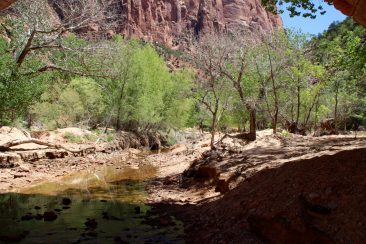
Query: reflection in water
{"type": "Point", "coordinates": [106, 206]}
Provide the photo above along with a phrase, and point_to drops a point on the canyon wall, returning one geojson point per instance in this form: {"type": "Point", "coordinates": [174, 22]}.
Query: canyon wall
{"type": "Point", "coordinates": [166, 21]}
{"type": "Point", "coordinates": [5, 3]}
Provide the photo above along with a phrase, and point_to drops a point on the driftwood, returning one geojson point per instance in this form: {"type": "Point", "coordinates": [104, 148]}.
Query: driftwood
{"type": "Point", "coordinates": [8, 146]}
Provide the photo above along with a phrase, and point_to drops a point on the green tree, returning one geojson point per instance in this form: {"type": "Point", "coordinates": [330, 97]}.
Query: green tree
{"type": "Point", "coordinates": [141, 93]}
{"type": "Point", "coordinates": [342, 51]}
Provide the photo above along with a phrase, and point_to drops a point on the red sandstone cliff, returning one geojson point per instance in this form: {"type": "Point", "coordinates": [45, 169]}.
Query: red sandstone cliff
{"type": "Point", "coordinates": [165, 21]}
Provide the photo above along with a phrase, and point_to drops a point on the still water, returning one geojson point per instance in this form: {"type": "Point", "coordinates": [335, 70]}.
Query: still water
{"type": "Point", "coordinates": [106, 206]}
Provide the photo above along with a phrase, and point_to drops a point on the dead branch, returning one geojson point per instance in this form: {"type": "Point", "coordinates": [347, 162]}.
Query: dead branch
{"type": "Point", "coordinates": [65, 70]}
{"type": "Point", "coordinates": [8, 146]}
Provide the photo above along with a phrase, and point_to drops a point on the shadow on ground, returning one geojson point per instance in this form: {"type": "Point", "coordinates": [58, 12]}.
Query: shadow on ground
{"type": "Point", "coordinates": [316, 200]}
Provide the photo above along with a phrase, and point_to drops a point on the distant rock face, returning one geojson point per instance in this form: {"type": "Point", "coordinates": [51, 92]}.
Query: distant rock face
{"type": "Point", "coordinates": [166, 21]}
{"type": "Point", "coordinates": [6, 3]}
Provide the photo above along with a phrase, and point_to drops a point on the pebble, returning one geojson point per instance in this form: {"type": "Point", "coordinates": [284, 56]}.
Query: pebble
{"type": "Point", "coordinates": [27, 217]}
{"type": "Point", "coordinates": [49, 216]}
{"type": "Point", "coordinates": [91, 223]}
{"type": "Point", "coordinates": [66, 201]}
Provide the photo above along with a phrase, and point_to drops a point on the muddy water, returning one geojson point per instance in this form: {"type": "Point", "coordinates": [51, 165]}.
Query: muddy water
{"type": "Point", "coordinates": [107, 206]}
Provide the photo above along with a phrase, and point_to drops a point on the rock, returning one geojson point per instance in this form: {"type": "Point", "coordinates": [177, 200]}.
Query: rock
{"type": "Point", "coordinates": [137, 210]}
{"type": "Point", "coordinates": [162, 21]}
{"type": "Point", "coordinates": [27, 217]}
{"type": "Point", "coordinates": [155, 144]}
{"type": "Point", "coordinates": [5, 4]}
{"type": "Point", "coordinates": [66, 201]}
{"type": "Point", "coordinates": [205, 145]}
{"type": "Point", "coordinates": [206, 172]}
{"type": "Point", "coordinates": [49, 216]}
{"type": "Point", "coordinates": [91, 224]}
{"type": "Point", "coordinates": [53, 154]}
{"type": "Point", "coordinates": [169, 180]}
{"type": "Point", "coordinates": [18, 176]}
{"type": "Point", "coordinates": [23, 168]}
{"type": "Point", "coordinates": [31, 156]}
{"type": "Point", "coordinates": [105, 215]}
{"type": "Point", "coordinates": [222, 186]}
{"type": "Point", "coordinates": [118, 239]}
{"type": "Point", "coordinates": [39, 217]}
{"type": "Point", "coordinates": [14, 238]}
{"type": "Point", "coordinates": [9, 160]}
{"type": "Point", "coordinates": [133, 151]}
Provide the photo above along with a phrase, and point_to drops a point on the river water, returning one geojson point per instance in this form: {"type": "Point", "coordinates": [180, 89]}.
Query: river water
{"type": "Point", "coordinates": [106, 206]}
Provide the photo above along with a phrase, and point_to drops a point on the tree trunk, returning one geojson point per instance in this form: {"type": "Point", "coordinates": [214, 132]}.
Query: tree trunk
{"type": "Point", "coordinates": [118, 122]}
{"type": "Point", "coordinates": [274, 88]}
{"type": "Point", "coordinates": [274, 122]}
{"type": "Point", "coordinates": [311, 109]}
{"type": "Point", "coordinates": [252, 123]}
{"type": "Point", "coordinates": [275, 116]}
{"type": "Point", "coordinates": [213, 130]}
{"type": "Point", "coordinates": [336, 107]}
{"type": "Point", "coordinates": [298, 106]}
{"type": "Point", "coordinates": [118, 125]}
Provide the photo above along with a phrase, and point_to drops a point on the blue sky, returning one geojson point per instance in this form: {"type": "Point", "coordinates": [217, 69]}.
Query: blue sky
{"type": "Point", "coordinates": [313, 26]}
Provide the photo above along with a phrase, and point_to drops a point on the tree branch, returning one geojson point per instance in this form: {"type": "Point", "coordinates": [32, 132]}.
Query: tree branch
{"type": "Point", "coordinates": [26, 49]}
{"type": "Point", "coordinates": [7, 146]}
{"type": "Point", "coordinates": [75, 72]}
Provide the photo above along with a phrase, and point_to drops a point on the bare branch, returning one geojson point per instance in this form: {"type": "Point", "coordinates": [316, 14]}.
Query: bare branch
{"type": "Point", "coordinates": [66, 70]}
{"type": "Point", "coordinates": [8, 146]}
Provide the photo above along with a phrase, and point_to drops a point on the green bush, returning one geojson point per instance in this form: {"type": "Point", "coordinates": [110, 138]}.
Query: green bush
{"type": "Point", "coordinates": [70, 137]}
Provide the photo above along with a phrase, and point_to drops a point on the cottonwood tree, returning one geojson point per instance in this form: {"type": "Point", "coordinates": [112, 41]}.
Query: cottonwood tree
{"type": "Point", "coordinates": [214, 94]}
{"type": "Point", "coordinates": [36, 30]}
{"type": "Point", "coordinates": [289, 81]}
{"type": "Point", "coordinates": [35, 40]}
{"type": "Point", "coordinates": [341, 51]}
{"type": "Point", "coordinates": [283, 71]}
{"type": "Point", "coordinates": [235, 59]}
{"type": "Point", "coordinates": [141, 94]}
{"type": "Point", "coordinates": [236, 69]}
{"type": "Point", "coordinates": [228, 58]}
{"type": "Point", "coordinates": [270, 62]}
{"type": "Point", "coordinates": [212, 88]}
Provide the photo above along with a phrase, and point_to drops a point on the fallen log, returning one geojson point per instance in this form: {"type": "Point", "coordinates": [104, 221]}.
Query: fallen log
{"type": "Point", "coordinates": [8, 146]}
